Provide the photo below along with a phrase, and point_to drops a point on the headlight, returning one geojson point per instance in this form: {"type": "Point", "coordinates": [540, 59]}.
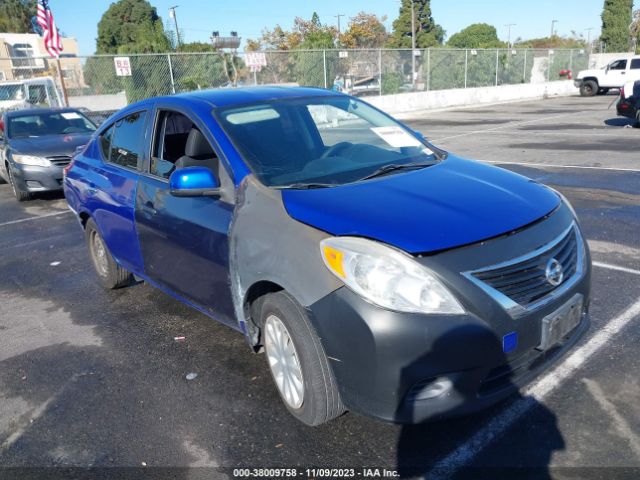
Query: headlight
{"type": "Point", "coordinates": [31, 160]}
{"type": "Point", "coordinates": [387, 277]}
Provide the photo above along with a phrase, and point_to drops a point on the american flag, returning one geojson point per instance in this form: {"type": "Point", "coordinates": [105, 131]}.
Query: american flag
{"type": "Point", "coordinates": [52, 40]}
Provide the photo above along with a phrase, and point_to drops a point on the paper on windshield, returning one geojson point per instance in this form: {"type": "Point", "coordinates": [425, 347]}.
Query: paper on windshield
{"type": "Point", "coordinates": [70, 116]}
{"type": "Point", "coordinates": [396, 137]}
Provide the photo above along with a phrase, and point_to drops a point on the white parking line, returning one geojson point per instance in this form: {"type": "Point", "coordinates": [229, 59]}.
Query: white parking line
{"type": "Point", "coordinates": [533, 394]}
{"type": "Point", "coordinates": [510, 124]}
{"type": "Point", "coordinates": [531, 164]}
{"type": "Point", "coordinates": [616, 267]}
{"type": "Point", "coordinates": [46, 215]}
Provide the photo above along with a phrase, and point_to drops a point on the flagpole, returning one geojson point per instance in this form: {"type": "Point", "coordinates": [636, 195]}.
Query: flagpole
{"type": "Point", "coordinates": [62, 84]}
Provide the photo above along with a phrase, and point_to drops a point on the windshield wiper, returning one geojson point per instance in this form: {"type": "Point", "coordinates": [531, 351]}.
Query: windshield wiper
{"type": "Point", "coordinates": [306, 186]}
{"type": "Point", "coordinates": [396, 167]}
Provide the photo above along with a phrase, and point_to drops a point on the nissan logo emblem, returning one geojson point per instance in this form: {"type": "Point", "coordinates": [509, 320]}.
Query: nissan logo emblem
{"type": "Point", "coordinates": [554, 272]}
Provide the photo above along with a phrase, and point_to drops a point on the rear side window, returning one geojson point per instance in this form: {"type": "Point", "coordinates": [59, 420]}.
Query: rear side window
{"type": "Point", "coordinates": [105, 142]}
{"type": "Point", "coordinates": [635, 64]}
{"type": "Point", "coordinates": [128, 140]}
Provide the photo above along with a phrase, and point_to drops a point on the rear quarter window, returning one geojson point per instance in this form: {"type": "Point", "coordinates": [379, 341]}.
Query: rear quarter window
{"type": "Point", "coordinates": [635, 64]}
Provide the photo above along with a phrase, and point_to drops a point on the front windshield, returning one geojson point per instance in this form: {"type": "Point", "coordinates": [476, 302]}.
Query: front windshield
{"type": "Point", "coordinates": [320, 140]}
{"type": "Point", "coordinates": [11, 92]}
{"type": "Point", "coordinates": [53, 123]}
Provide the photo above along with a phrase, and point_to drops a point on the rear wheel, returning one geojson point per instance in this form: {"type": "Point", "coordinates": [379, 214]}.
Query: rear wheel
{"type": "Point", "coordinates": [20, 195]}
{"type": "Point", "coordinates": [111, 275]}
{"type": "Point", "coordinates": [588, 88]}
{"type": "Point", "coordinates": [298, 364]}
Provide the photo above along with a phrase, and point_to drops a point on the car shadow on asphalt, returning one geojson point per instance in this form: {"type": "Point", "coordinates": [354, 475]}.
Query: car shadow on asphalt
{"type": "Point", "coordinates": [620, 122]}
{"type": "Point", "coordinates": [517, 457]}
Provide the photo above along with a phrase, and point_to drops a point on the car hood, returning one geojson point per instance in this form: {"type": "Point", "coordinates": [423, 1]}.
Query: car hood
{"type": "Point", "coordinates": [589, 73]}
{"type": "Point", "coordinates": [454, 203]}
{"type": "Point", "coordinates": [50, 145]}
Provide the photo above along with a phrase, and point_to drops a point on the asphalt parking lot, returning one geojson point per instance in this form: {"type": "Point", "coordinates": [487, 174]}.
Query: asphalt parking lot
{"type": "Point", "coordinates": [90, 378]}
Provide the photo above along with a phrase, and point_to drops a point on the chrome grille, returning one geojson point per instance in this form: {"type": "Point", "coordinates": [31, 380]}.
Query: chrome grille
{"type": "Point", "coordinates": [60, 160]}
{"type": "Point", "coordinates": [523, 283]}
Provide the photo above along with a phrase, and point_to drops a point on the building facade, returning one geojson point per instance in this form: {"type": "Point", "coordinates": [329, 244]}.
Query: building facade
{"type": "Point", "coordinates": [23, 55]}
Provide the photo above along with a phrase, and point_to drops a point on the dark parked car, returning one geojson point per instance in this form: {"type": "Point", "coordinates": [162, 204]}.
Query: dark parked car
{"type": "Point", "coordinates": [36, 144]}
{"type": "Point", "coordinates": [629, 102]}
{"type": "Point", "coordinates": [379, 273]}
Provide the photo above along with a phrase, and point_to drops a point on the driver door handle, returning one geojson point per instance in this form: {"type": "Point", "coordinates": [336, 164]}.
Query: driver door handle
{"type": "Point", "coordinates": [148, 209]}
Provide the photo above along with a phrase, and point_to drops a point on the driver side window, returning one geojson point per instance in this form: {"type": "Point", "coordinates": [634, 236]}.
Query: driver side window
{"type": "Point", "coordinates": [178, 143]}
{"type": "Point", "coordinates": [618, 65]}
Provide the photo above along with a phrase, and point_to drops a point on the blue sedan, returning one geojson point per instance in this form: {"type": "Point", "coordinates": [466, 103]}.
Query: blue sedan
{"type": "Point", "coordinates": [377, 272]}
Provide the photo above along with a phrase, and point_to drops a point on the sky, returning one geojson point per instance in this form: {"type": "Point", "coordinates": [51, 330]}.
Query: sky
{"type": "Point", "coordinates": [198, 18]}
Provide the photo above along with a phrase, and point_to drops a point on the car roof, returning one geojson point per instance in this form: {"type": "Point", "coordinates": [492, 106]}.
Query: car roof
{"type": "Point", "coordinates": [227, 97]}
{"type": "Point", "coordinates": [38, 111]}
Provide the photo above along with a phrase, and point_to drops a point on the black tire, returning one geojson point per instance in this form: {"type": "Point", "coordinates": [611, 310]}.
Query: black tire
{"type": "Point", "coordinates": [111, 275]}
{"type": "Point", "coordinates": [321, 400]}
{"type": "Point", "coordinates": [20, 195]}
{"type": "Point", "coordinates": [589, 88]}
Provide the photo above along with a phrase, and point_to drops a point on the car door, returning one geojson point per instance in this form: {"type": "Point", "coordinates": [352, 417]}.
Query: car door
{"type": "Point", "coordinates": [111, 184]}
{"type": "Point", "coordinates": [184, 240]}
{"type": "Point", "coordinates": [634, 70]}
{"type": "Point", "coordinates": [3, 149]}
{"type": "Point", "coordinates": [616, 75]}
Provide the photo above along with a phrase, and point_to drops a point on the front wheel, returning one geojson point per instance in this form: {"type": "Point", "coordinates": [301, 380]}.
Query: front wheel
{"type": "Point", "coordinates": [298, 364]}
{"type": "Point", "coordinates": [588, 88]}
{"type": "Point", "coordinates": [20, 195]}
{"type": "Point", "coordinates": [111, 274]}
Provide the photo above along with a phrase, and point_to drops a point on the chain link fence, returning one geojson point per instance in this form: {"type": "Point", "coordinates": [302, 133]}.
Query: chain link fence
{"type": "Point", "coordinates": [95, 84]}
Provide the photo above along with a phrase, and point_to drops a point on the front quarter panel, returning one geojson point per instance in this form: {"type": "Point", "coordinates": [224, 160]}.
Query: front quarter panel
{"type": "Point", "coordinates": [267, 245]}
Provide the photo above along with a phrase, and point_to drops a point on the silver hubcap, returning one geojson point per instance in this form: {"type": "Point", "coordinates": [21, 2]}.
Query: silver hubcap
{"type": "Point", "coordinates": [284, 362]}
{"type": "Point", "coordinates": [99, 254]}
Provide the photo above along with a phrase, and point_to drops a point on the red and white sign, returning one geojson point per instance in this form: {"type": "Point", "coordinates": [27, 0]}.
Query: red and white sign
{"type": "Point", "coordinates": [123, 66]}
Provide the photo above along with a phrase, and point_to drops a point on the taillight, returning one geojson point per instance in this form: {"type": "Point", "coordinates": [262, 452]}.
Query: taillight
{"type": "Point", "coordinates": [622, 92]}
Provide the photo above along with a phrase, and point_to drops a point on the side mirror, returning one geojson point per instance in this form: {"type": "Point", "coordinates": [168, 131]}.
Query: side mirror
{"type": "Point", "coordinates": [420, 135]}
{"type": "Point", "coordinates": [194, 182]}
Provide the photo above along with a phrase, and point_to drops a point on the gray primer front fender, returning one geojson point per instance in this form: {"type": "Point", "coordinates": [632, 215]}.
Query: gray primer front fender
{"type": "Point", "coordinates": [266, 244]}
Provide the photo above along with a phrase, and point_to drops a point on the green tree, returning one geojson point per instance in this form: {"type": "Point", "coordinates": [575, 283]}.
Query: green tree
{"type": "Point", "coordinates": [616, 17]}
{"type": "Point", "coordinates": [478, 35]}
{"type": "Point", "coordinates": [428, 33]}
{"type": "Point", "coordinates": [131, 26]}
{"type": "Point", "coordinates": [15, 16]}
{"type": "Point", "coordinates": [309, 69]}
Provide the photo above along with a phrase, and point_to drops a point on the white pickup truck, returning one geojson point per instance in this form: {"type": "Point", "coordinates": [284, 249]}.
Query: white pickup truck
{"type": "Point", "coordinates": [29, 93]}
{"type": "Point", "coordinates": [614, 75]}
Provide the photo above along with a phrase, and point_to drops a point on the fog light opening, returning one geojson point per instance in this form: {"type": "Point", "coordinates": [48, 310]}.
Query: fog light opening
{"type": "Point", "coordinates": [431, 388]}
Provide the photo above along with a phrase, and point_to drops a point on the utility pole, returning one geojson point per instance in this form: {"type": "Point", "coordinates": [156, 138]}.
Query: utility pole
{"type": "Point", "coordinates": [340, 15]}
{"type": "Point", "coordinates": [509, 25]}
{"type": "Point", "coordinates": [589, 38]}
{"type": "Point", "coordinates": [553, 24]}
{"type": "Point", "coordinates": [172, 14]}
{"type": "Point", "coordinates": [413, 46]}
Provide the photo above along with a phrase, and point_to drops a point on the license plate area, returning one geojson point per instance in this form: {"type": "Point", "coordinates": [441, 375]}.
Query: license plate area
{"type": "Point", "coordinates": [557, 325]}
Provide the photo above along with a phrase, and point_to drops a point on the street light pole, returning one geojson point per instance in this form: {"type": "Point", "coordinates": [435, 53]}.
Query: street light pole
{"type": "Point", "coordinates": [509, 25]}
{"type": "Point", "coordinates": [172, 13]}
{"type": "Point", "coordinates": [413, 46]}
